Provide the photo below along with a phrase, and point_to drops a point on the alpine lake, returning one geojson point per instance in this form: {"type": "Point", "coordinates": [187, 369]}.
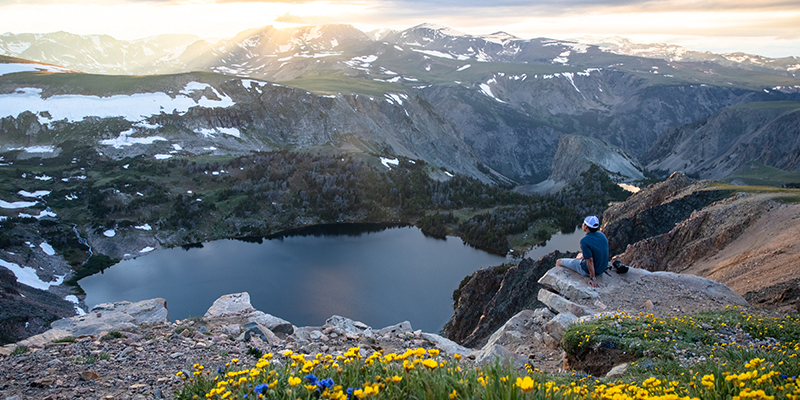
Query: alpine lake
{"type": "Point", "coordinates": [379, 275]}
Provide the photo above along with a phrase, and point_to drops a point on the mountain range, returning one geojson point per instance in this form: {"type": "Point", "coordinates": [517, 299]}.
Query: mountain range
{"type": "Point", "coordinates": [494, 106]}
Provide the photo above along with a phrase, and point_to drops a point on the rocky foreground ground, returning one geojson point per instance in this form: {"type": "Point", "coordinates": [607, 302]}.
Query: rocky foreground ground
{"type": "Point", "coordinates": [132, 351]}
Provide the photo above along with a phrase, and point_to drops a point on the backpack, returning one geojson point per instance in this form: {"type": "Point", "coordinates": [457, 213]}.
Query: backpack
{"type": "Point", "coordinates": [619, 267]}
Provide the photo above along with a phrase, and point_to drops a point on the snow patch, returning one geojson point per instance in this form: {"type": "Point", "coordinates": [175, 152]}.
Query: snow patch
{"type": "Point", "coordinates": [37, 194]}
{"type": "Point", "coordinates": [28, 276]}
{"type": "Point", "coordinates": [487, 90]}
{"type": "Point", "coordinates": [43, 213]}
{"type": "Point", "coordinates": [562, 58]}
{"type": "Point", "coordinates": [388, 162]}
{"type": "Point", "coordinates": [110, 233]}
{"type": "Point", "coordinates": [35, 149]}
{"type": "Point", "coordinates": [162, 156]}
{"type": "Point", "coordinates": [464, 67]}
{"type": "Point", "coordinates": [12, 68]}
{"type": "Point", "coordinates": [396, 98]}
{"type": "Point", "coordinates": [47, 249]}
{"type": "Point", "coordinates": [17, 204]}
{"type": "Point", "coordinates": [133, 107]}
{"type": "Point", "coordinates": [434, 53]}
{"type": "Point", "coordinates": [224, 131]}
{"type": "Point", "coordinates": [145, 227]}
{"type": "Point", "coordinates": [146, 249]}
{"type": "Point", "coordinates": [125, 139]}
{"type": "Point", "coordinates": [74, 299]}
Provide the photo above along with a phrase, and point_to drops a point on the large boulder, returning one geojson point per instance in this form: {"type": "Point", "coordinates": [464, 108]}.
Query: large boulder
{"type": "Point", "coordinates": [235, 308]}
{"type": "Point", "coordinates": [114, 316]}
{"type": "Point", "coordinates": [446, 345]}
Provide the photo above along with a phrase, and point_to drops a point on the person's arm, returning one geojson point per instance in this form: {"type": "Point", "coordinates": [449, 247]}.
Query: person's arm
{"type": "Point", "coordinates": [590, 267]}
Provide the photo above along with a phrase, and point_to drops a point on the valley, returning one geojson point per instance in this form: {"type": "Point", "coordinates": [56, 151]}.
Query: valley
{"type": "Point", "coordinates": [497, 140]}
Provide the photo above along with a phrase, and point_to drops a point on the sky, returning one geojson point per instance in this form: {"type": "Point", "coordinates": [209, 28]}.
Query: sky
{"type": "Point", "coordinates": [770, 28]}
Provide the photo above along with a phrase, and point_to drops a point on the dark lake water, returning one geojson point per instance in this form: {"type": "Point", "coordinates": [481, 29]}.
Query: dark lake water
{"type": "Point", "coordinates": [379, 276]}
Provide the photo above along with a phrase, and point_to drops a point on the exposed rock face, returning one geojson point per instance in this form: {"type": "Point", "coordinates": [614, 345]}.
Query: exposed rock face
{"type": "Point", "coordinates": [493, 296]}
{"type": "Point", "coordinates": [718, 145]}
{"type": "Point", "coordinates": [236, 308]}
{"type": "Point", "coordinates": [577, 153]}
{"type": "Point", "coordinates": [655, 211]}
{"type": "Point", "coordinates": [114, 316]}
{"type": "Point", "coordinates": [706, 232]}
{"type": "Point", "coordinates": [25, 311]}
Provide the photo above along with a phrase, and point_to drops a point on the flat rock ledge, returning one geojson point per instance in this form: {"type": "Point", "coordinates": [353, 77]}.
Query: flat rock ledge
{"type": "Point", "coordinates": [568, 296]}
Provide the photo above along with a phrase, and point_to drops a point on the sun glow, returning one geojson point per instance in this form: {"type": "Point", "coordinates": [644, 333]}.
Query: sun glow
{"type": "Point", "coordinates": [773, 31]}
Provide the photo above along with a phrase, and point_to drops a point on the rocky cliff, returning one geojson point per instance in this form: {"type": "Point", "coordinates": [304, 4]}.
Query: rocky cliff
{"type": "Point", "coordinates": [25, 311]}
{"type": "Point", "coordinates": [741, 236]}
{"type": "Point", "coordinates": [716, 146]}
{"type": "Point", "coordinates": [576, 154]}
{"type": "Point", "coordinates": [655, 210]}
{"type": "Point", "coordinates": [493, 295]}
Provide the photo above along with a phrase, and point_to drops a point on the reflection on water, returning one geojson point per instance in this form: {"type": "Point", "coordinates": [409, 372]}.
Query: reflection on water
{"type": "Point", "coordinates": [378, 275]}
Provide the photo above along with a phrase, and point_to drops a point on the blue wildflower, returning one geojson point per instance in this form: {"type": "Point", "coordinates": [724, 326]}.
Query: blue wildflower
{"type": "Point", "coordinates": [311, 378]}
{"type": "Point", "coordinates": [349, 392]}
{"type": "Point", "coordinates": [261, 389]}
{"type": "Point", "coordinates": [325, 383]}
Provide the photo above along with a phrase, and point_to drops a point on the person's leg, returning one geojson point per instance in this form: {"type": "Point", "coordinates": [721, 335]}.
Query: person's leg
{"type": "Point", "coordinates": [571, 263]}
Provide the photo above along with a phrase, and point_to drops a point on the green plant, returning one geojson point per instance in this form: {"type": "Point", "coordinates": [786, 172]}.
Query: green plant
{"type": "Point", "coordinates": [19, 350]}
{"type": "Point", "coordinates": [256, 353]}
{"type": "Point", "coordinates": [68, 339]}
{"type": "Point", "coordinates": [112, 335]}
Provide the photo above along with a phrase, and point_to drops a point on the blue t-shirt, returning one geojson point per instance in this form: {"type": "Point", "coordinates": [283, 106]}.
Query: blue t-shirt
{"type": "Point", "coordinates": [595, 246]}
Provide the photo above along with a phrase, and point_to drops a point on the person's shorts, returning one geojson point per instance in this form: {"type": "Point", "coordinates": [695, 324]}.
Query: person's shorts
{"type": "Point", "coordinates": [576, 265]}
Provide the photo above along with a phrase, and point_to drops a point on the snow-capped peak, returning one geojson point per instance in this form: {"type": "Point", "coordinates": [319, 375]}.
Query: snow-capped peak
{"type": "Point", "coordinates": [499, 37]}
{"type": "Point", "coordinates": [439, 28]}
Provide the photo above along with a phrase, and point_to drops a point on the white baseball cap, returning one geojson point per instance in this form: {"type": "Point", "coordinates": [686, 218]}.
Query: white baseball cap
{"type": "Point", "coordinates": [592, 222]}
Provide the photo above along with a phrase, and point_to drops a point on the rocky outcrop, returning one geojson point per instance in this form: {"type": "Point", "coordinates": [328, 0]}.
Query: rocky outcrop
{"type": "Point", "coordinates": [108, 317]}
{"type": "Point", "coordinates": [659, 293]}
{"type": "Point", "coordinates": [705, 232]}
{"type": "Point", "coordinates": [655, 210]}
{"type": "Point", "coordinates": [236, 309]}
{"type": "Point", "coordinates": [494, 295]}
{"type": "Point", "coordinates": [576, 154]}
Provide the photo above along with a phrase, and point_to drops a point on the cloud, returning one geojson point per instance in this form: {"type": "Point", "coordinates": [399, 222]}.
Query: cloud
{"type": "Point", "coordinates": [291, 19]}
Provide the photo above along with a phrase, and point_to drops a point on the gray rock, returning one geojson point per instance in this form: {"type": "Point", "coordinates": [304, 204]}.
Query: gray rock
{"type": "Point", "coordinates": [446, 345]}
{"type": "Point", "coordinates": [114, 316]}
{"type": "Point", "coordinates": [347, 325]}
{"type": "Point", "coordinates": [231, 329]}
{"type": "Point", "coordinates": [542, 315]}
{"type": "Point", "coordinates": [41, 339]}
{"type": "Point", "coordinates": [402, 327]}
{"type": "Point", "coordinates": [617, 372]}
{"type": "Point", "coordinates": [569, 284]}
{"type": "Point", "coordinates": [549, 341]}
{"type": "Point", "coordinates": [262, 332]}
{"type": "Point", "coordinates": [230, 304]}
{"type": "Point", "coordinates": [490, 354]}
{"type": "Point", "coordinates": [555, 328]}
{"type": "Point", "coordinates": [273, 323]}
{"type": "Point", "coordinates": [512, 329]}
{"type": "Point", "coordinates": [561, 305]}
{"type": "Point", "coordinates": [714, 290]}
{"type": "Point", "coordinates": [303, 334]}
